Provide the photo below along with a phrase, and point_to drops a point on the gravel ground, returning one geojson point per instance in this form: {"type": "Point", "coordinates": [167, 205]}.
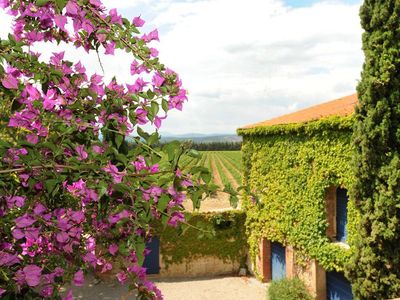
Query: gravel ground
{"type": "Point", "coordinates": [216, 288]}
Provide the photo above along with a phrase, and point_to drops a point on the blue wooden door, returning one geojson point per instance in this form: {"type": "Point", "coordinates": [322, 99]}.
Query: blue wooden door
{"type": "Point", "coordinates": [341, 214]}
{"type": "Point", "coordinates": [278, 261]}
{"type": "Point", "coordinates": [338, 287]}
{"type": "Point", "coordinates": [152, 260]}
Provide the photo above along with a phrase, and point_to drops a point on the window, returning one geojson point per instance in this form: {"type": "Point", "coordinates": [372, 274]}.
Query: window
{"type": "Point", "coordinates": [336, 212]}
{"type": "Point", "coordinates": [342, 200]}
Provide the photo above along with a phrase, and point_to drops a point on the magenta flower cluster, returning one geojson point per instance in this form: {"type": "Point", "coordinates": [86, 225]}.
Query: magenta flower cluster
{"type": "Point", "coordinates": [73, 198]}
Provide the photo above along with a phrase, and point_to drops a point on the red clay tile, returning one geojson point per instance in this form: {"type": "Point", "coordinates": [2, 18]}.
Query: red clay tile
{"type": "Point", "coordinates": [340, 107]}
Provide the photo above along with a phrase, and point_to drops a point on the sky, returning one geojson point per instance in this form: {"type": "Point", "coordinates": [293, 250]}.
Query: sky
{"type": "Point", "coordinates": [244, 61]}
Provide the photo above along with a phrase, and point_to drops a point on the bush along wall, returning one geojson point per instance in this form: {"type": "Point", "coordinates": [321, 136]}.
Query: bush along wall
{"type": "Point", "coordinates": [226, 242]}
{"type": "Point", "coordinates": [289, 168]}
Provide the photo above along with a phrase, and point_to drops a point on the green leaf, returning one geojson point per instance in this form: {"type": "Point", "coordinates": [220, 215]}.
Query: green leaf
{"type": "Point", "coordinates": [164, 105]}
{"type": "Point", "coordinates": [153, 138]}
{"type": "Point", "coordinates": [171, 148]}
{"type": "Point", "coordinates": [198, 169]}
{"type": "Point", "coordinates": [50, 184]}
{"type": "Point", "coordinates": [61, 4]}
{"type": "Point", "coordinates": [121, 187]}
{"type": "Point", "coordinates": [140, 246]}
{"type": "Point", "coordinates": [42, 2]}
{"type": "Point", "coordinates": [206, 176]}
{"type": "Point", "coordinates": [163, 202]}
{"type": "Point", "coordinates": [118, 140]}
{"type": "Point", "coordinates": [142, 133]}
{"type": "Point", "coordinates": [154, 108]}
{"type": "Point", "coordinates": [194, 153]}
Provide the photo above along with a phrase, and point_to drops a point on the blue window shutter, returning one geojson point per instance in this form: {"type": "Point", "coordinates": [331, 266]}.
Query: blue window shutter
{"type": "Point", "coordinates": [152, 260]}
{"type": "Point", "coordinates": [278, 261]}
{"type": "Point", "coordinates": [341, 214]}
{"type": "Point", "coordinates": [338, 287]}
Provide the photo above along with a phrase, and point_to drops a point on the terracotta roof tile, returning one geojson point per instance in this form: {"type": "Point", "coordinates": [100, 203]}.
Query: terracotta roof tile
{"type": "Point", "coordinates": [340, 107]}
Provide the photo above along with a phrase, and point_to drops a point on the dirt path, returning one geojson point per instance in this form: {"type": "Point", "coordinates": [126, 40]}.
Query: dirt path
{"type": "Point", "coordinates": [218, 288]}
{"type": "Point", "coordinates": [215, 173]}
{"type": "Point", "coordinates": [228, 174]}
{"type": "Point", "coordinates": [213, 288]}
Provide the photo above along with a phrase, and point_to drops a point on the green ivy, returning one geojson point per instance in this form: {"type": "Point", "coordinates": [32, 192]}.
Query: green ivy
{"type": "Point", "coordinates": [226, 240]}
{"type": "Point", "coordinates": [289, 168]}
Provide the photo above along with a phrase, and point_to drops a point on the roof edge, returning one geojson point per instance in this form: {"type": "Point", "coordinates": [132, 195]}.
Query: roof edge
{"type": "Point", "coordinates": [342, 106]}
{"type": "Point", "coordinates": [321, 125]}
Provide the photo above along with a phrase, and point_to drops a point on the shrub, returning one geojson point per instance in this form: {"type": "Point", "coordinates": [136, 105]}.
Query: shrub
{"type": "Point", "coordinates": [288, 289]}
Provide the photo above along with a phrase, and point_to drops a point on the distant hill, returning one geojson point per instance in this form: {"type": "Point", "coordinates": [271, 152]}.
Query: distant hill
{"type": "Point", "coordinates": [202, 138]}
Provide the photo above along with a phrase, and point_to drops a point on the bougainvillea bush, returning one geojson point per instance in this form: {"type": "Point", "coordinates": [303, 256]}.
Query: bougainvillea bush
{"type": "Point", "coordinates": [73, 196]}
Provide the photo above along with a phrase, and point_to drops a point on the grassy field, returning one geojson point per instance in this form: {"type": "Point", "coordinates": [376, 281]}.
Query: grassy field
{"type": "Point", "coordinates": [226, 166]}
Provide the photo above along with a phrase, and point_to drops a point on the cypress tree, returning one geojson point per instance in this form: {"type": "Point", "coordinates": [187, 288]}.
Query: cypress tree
{"type": "Point", "coordinates": [375, 268]}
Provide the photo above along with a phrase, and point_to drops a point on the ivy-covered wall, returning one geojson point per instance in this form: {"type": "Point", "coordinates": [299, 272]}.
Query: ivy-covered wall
{"type": "Point", "coordinates": [228, 241]}
{"type": "Point", "coordinates": [289, 168]}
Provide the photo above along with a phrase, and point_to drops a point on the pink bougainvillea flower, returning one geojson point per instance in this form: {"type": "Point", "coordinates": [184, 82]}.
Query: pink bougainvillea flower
{"type": "Point", "coordinates": [114, 17]}
{"type": "Point", "coordinates": [7, 259]}
{"type": "Point", "coordinates": [113, 249]}
{"type": "Point", "coordinates": [122, 277]}
{"type": "Point", "coordinates": [110, 48]}
{"type": "Point", "coordinates": [154, 168]}
{"type": "Point", "coordinates": [91, 259]}
{"type": "Point", "coordinates": [32, 138]}
{"type": "Point", "coordinates": [78, 278]}
{"type": "Point", "coordinates": [113, 171]}
{"type": "Point", "coordinates": [33, 92]}
{"type": "Point", "coordinates": [135, 68]}
{"type": "Point", "coordinates": [139, 271]}
{"type": "Point", "coordinates": [72, 8]}
{"type": "Point", "coordinates": [47, 291]}
{"type": "Point", "coordinates": [106, 267]}
{"type": "Point", "coordinates": [137, 21]}
{"type": "Point", "coordinates": [10, 82]}
{"type": "Point", "coordinates": [153, 36]}
{"type": "Point", "coordinates": [39, 209]}
{"type": "Point", "coordinates": [4, 3]}
{"type": "Point", "coordinates": [32, 275]}
{"type": "Point", "coordinates": [62, 237]}
{"type": "Point", "coordinates": [2, 291]}
{"type": "Point", "coordinates": [158, 80]}
{"type": "Point", "coordinates": [141, 116]}
{"type": "Point", "coordinates": [60, 21]}
{"type": "Point", "coordinates": [24, 221]}
{"type": "Point", "coordinates": [98, 149]}
{"type": "Point", "coordinates": [187, 183]}
{"type": "Point", "coordinates": [140, 164]}
{"type": "Point", "coordinates": [17, 201]}
{"type": "Point", "coordinates": [176, 217]}
{"type": "Point", "coordinates": [68, 296]}
{"type": "Point", "coordinates": [87, 26]}
{"type": "Point", "coordinates": [18, 234]}
{"type": "Point", "coordinates": [153, 52]}
{"type": "Point", "coordinates": [82, 154]}
{"type": "Point", "coordinates": [95, 3]}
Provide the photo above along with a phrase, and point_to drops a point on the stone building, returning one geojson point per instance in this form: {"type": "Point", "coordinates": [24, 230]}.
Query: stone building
{"type": "Point", "coordinates": [300, 220]}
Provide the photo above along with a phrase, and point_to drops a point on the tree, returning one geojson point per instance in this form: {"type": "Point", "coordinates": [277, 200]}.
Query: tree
{"type": "Point", "coordinates": [374, 270]}
{"type": "Point", "coordinates": [73, 197]}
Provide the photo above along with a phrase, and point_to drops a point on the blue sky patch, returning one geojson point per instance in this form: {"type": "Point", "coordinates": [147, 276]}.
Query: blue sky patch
{"type": "Point", "coordinates": [305, 3]}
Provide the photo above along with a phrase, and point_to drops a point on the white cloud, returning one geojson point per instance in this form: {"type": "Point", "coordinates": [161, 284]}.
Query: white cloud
{"type": "Point", "coordinates": [244, 61]}
{"type": "Point", "coordinates": [247, 61]}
